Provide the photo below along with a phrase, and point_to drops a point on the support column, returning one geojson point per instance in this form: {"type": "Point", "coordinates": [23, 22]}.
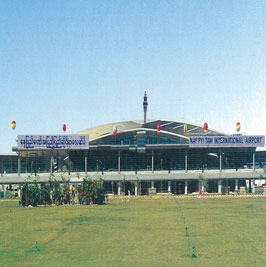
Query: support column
{"type": "Point", "coordinates": [136, 188]}
{"type": "Point", "coordinates": [51, 164]}
{"type": "Point", "coordinates": [186, 187]}
{"type": "Point", "coordinates": [236, 184]}
{"type": "Point", "coordinates": [2, 171]}
{"type": "Point", "coordinates": [254, 161]}
{"type": "Point", "coordinates": [253, 186]}
{"type": "Point", "coordinates": [119, 168]}
{"type": "Point", "coordinates": [86, 162]}
{"type": "Point", "coordinates": [249, 186]}
{"type": "Point", "coordinates": [202, 189]}
{"type": "Point", "coordinates": [220, 186]}
{"type": "Point", "coordinates": [152, 184]}
{"type": "Point", "coordinates": [112, 183]}
{"type": "Point", "coordinates": [169, 186]}
{"type": "Point", "coordinates": [119, 188]}
{"type": "Point", "coordinates": [220, 160]}
{"type": "Point", "coordinates": [152, 161]}
{"type": "Point", "coordinates": [19, 163]}
{"type": "Point", "coordinates": [186, 161]}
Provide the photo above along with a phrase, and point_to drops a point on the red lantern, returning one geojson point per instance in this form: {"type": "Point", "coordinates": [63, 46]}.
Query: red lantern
{"type": "Point", "coordinates": [64, 128]}
{"type": "Point", "coordinates": [13, 125]}
{"type": "Point", "coordinates": [158, 127]}
{"type": "Point", "coordinates": [115, 131]}
{"type": "Point", "coordinates": [205, 127]}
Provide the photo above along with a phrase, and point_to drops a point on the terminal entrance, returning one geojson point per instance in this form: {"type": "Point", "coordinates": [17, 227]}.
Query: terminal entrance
{"type": "Point", "coordinates": [177, 187]}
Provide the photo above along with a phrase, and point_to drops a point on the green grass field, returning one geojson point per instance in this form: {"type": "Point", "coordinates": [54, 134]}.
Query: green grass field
{"type": "Point", "coordinates": [136, 232]}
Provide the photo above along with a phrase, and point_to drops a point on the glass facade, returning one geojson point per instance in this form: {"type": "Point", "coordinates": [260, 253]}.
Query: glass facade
{"type": "Point", "coordinates": [140, 139]}
{"type": "Point", "coordinates": [133, 151]}
{"type": "Point", "coordinates": [107, 160]}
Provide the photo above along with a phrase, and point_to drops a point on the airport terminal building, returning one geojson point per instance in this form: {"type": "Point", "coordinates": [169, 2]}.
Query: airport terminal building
{"type": "Point", "coordinates": [134, 156]}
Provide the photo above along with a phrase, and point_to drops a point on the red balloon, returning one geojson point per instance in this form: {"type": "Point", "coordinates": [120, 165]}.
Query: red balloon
{"type": "Point", "coordinates": [238, 127]}
{"type": "Point", "coordinates": [205, 127]}
{"type": "Point", "coordinates": [13, 125]}
{"type": "Point", "coordinates": [159, 127]}
{"type": "Point", "coordinates": [115, 131]}
{"type": "Point", "coordinates": [64, 127]}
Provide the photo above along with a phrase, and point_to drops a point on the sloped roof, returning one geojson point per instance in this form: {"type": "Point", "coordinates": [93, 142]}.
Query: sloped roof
{"type": "Point", "coordinates": [166, 126]}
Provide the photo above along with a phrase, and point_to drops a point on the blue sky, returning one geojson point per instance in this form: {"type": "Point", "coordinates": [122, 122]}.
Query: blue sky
{"type": "Point", "coordinates": [86, 63]}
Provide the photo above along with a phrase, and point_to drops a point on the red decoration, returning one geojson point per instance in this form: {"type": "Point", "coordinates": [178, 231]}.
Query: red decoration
{"type": "Point", "coordinates": [115, 131]}
{"type": "Point", "coordinates": [205, 127]}
{"type": "Point", "coordinates": [64, 128]}
{"type": "Point", "coordinates": [238, 127]}
{"type": "Point", "coordinates": [185, 128]}
{"type": "Point", "coordinates": [158, 127]}
{"type": "Point", "coordinates": [13, 125]}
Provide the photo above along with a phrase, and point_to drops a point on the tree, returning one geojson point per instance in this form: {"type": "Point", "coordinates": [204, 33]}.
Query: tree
{"type": "Point", "coordinates": [65, 195]}
{"type": "Point", "coordinates": [24, 194]}
{"type": "Point", "coordinates": [56, 193]}
{"type": "Point", "coordinates": [202, 181]}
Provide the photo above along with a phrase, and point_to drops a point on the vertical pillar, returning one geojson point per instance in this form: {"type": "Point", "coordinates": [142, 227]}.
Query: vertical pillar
{"type": "Point", "coordinates": [254, 161]}
{"type": "Point", "coordinates": [220, 160]}
{"type": "Point", "coordinates": [186, 187]}
{"type": "Point", "coordinates": [249, 185]}
{"type": "Point", "coordinates": [152, 184]}
{"type": "Point", "coordinates": [119, 188]}
{"type": "Point", "coordinates": [186, 161]}
{"type": "Point", "coordinates": [113, 187]}
{"type": "Point", "coordinates": [51, 164]}
{"type": "Point", "coordinates": [2, 171]}
{"type": "Point", "coordinates": [86, 162]}
{"type": "Point", "coordinates": [219, 186]}
{"type": "Point", "coordinates": [136, 162]}
{"type": "Point", "coordinates": [236, 184]}
{"type": "Point", "coordinates": [43, 167]}
{"type": "Point", "coordinates": [136, 188]}
{"type": "Point", "coordinates": [253, 186]}
{"type": "Point", "coordinates": [119, 168]}
{"type": "Point", "coordinates": [169, 186]}
{"type": "Point", "coordinates": [57, 161]}
{"type": "Point", "coordinates": [152, 161]}
{"type": "Point", "coordinates": [19, 163]}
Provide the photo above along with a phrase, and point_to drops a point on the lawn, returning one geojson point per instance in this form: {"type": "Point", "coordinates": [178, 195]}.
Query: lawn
{"type": "Point", "coordinates": [136, 232]}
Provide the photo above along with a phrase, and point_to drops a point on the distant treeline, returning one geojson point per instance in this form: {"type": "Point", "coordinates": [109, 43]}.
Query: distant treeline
{"type": "Point", "coordinates": [58, 193]}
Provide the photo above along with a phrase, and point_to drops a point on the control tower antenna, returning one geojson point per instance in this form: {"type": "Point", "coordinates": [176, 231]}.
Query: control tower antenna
{"type": "Point", "coordinates": [145, 106]}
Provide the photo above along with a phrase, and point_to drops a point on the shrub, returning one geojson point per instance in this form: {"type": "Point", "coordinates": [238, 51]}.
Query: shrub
{"type": "Point", "coordinates": [91, 191]}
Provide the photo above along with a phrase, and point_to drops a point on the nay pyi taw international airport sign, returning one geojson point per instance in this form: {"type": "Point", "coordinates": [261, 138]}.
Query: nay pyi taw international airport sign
{"type": "Point", "coordinates": [227, 141]}
{"type": "Point", "coordinates": [68, 141]}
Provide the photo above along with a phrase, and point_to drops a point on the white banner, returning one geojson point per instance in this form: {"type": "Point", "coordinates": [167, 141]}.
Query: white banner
{"type": "Point", "coordinates": [227, 141]}
{"type": "Point", "coordinates": [68, 141]}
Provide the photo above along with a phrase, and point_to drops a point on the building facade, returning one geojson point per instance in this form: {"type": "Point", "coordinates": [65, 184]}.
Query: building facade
{"type": "Point", "coordinates": [133, 156]}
